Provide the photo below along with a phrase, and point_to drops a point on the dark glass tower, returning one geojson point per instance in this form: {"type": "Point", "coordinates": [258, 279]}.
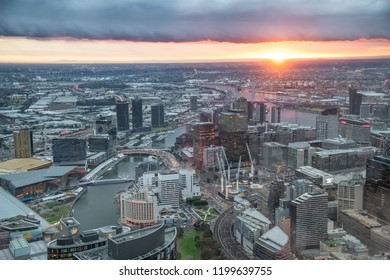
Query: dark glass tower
{"type": "Point", "coordinates": [376, 198]}
{"type": "Point", "coordinates": [137, 113]}
{"type": "Point", "coordinates": [157, 111]}
{"type": "Point", "coordinates": [122, 115]}
{"type": "Point", "coordinates": [355, 100]}
{"type": "Point", "coordinates": [204, 136]}
{"type": "Point", "coordinates": [261, 111]}
{"type": "Point", "coordinates": [193, 102]}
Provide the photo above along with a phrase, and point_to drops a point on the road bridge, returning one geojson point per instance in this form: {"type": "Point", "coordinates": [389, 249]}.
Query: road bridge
{"type": "Point", "coordinates": [168, 159]}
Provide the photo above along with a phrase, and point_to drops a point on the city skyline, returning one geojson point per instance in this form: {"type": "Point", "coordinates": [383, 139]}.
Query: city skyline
{"type": "Point", "coordinates": [126, 31]}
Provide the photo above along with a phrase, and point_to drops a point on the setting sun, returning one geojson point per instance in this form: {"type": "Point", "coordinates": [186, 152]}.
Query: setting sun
{"type": "Point", "coordinates": [278, 57]}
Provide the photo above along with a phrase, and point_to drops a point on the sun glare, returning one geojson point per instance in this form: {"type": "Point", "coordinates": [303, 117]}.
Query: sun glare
{"type": "Point", "coordinates": [278, 57]}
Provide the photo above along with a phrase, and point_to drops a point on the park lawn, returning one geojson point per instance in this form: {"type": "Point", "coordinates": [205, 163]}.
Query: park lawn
{"type": "Point", "coordinates": [55, 217]}
{"type": "Point", "coordinates": [186, 246]}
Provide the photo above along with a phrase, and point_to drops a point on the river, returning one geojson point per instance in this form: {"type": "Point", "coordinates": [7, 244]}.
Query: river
{"type": "Point", "coordinates": [96, 207]}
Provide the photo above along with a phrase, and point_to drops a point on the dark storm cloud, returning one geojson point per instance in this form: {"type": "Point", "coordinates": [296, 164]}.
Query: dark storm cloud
{"type": "Point", "coordinates": [237, 21]}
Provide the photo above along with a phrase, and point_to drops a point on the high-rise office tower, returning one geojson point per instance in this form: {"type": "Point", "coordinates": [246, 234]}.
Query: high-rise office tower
{"type": "Point", "coordinates": [299, 154]}
{"type": "Point", "coordinates": [104, 124]}
{"type": "Point", "coordinates": [210, 158]}
{"type": "Point", "coordinates": [309, 221]}
{"type": "Point", "coordinates": [327, 124]}
{"type": "Point", "coordinates": [250, 110]}
{"type": "Point", "coordinates": [69, 150]}
{"type": "Point", "coordinates": [355, 100]}
{"type": "Point", "coordinates": [23, 143]}
{"type": "Point", "coordinates": [157, 112]}
{"type": "Point", "coordinates": [122, 115]}
{"type": "Point", "coordinates": [241, 104]}
{"type": "Point", "coordinates": [276, 114]}
{"type": "Point", "coordinates": [188, 184]}
{"type": "Point", "coordinates": [376, 198]}
{"type": "Point", "coordinates": [100, 143]}
{"type": "Point", "coordinates": [274, 156]}
{"type": "Point", "coordinates": [357, 130]}
{"type": "Point", "coordinates": [277, 191]}
{"type": "Point", "coordinates": [204, 136]}
{"type": "Point", "coordinates": [233, 126]}
{"type": "Point", "coordinates": [193, 102]}
{"type": "Point", "coordinates": [365, 111]}
{"type": "Point", "coordinates": [137, 113]}
{"type": "Point", "coordinates": [206, 115]}
{"type": "Point", "coordinates": [386, 148]}
{"type": "Point", "coordinates": [350, 194]}
{"type": "Point", "coordinates": [261, 111]}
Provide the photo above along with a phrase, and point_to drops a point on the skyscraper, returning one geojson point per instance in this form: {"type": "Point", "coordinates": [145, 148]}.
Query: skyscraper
{"type": "Point", "coordinates": [275, 114]}
{"type": "Point", "coordinates": [169, 186]}
{"type": "Point", "coordinates": [122, 115]}
{"type": "Point", "coordinates": [23, 143]}
{"type": "Point", "coordinates": [233, 126]}
{"type": "Point", "coordinates": [193, 102]}
{"type": "Point", "coordinates": [309, 221]}
{"type": "Point", "coordinates": [327, 124]}
{"type": "Point", "coordinates": [261, 111]}
{"type": "Point", "coordinates": [137, 113]}
{"type": "Point", "coordinates": [355, 100]}
{"type": "Point", "coordinates": [350, 194]}
{"type": "Point", "coordinates": [376, 198]}
{"type": "Point", "coordinates": [357, 130]}
{"type": "Point", "coordinates": [274, 156]}
{"type": "Point", "coordinates": [299, 154]}
{"type": "Point", "coordinates": [157, 112]}
{"type": "Point", "coordinates": [365, 111]}
{"type": "Point", "coordinates": [242, 104]}
{"type": "Point", "coordinates": [70, 150]}
{"type": "Point", "coordinates": [204, 136]}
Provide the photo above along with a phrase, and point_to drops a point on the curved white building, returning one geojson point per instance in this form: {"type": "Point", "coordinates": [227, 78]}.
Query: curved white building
{"type": "Point", "coordinates": [139, 208]}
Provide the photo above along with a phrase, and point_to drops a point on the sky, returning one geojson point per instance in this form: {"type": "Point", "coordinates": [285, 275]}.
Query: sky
{"type": "Point", "coordinates": [191, 30]}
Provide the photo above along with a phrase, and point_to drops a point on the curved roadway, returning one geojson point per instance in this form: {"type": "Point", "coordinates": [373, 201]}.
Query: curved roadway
{"type": "Point", "coordinates": [223, 233]}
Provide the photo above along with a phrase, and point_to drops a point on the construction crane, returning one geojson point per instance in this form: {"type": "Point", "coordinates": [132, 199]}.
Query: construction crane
{"type": "Point", "coordinates": [222, 170]}
{"type": "Point", "coordinates": [251, 160]}
{"type": "Point", "coordinates": [227, 163]}
{"type": "Point", "coordinates": [238, 173]}
{"type": "Point", "coordinates": [228, 185]}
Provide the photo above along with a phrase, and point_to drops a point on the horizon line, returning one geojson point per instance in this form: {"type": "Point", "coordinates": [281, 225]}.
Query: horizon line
{"type": "Point", "coordinates": [227, 60]}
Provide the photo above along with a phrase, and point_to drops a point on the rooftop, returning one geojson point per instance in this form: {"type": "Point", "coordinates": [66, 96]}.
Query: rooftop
{"type": "Point", "coordinates": [253, 213]}
{"type": "Point", "coordinates": [136, 234]}
{"type": "Point", "coordinates": [101, 253]}
{"type": "Point", "coordinates": [10, 206]}
{"type": "Point", "coordinates": [22, 179]}
{"type": "Point", "coordinates": [364, 220]}
{"type": "Point", "coordinates": [38, 251]}
{"type": "Point", "coordinates": [311, 171]}
{"type": "Point", "coordinates": [23, 164]}
{"type": "Point", "coordinates": [275, 238]}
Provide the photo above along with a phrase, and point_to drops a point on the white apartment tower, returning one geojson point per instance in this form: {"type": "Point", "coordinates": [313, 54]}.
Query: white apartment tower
{"type": "Point", "coordinates": [169, 188]}
{"type": "Point", "coordinates": [189, 187]}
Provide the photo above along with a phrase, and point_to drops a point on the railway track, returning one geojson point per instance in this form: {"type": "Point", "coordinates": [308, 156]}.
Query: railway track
{"type": "Point", "coordinates": [223, 233]}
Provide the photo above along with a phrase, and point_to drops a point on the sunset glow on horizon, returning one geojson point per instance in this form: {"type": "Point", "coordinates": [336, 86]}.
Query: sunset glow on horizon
{"type": "Point", "coordinates": [23, 50]}
{"type": "Point", "coordinates": [126, 31]}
